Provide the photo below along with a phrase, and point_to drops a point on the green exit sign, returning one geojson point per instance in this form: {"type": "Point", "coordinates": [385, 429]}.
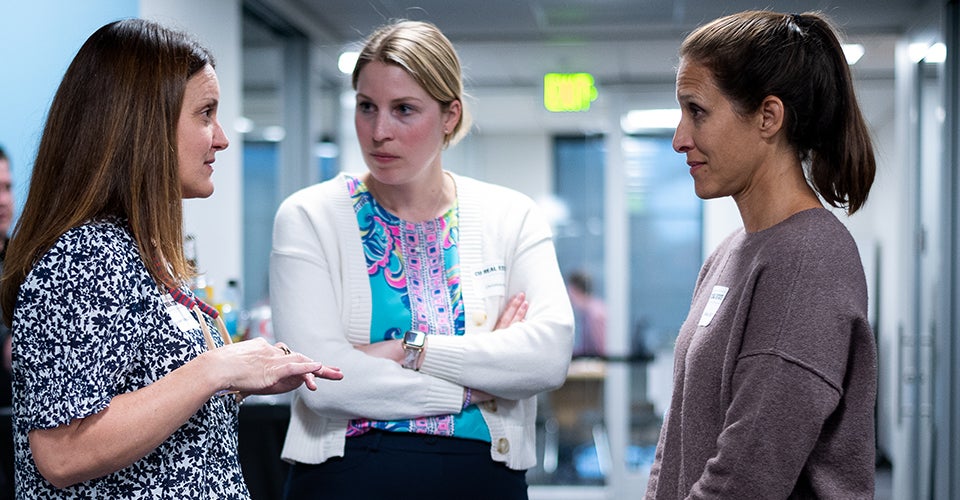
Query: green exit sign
{"type": "Point", "coordinates": [568, 91]}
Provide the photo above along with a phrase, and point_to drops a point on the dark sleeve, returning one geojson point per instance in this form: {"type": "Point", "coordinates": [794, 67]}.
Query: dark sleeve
{"type": "Point", "coordinates": [74, 328]}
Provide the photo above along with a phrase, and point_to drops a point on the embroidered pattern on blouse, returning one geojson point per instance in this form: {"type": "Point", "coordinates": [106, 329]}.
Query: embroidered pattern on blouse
{"type": "Point", "coordinates": [409, 258]}
{"type": "Point", "coordinates": [424, 266]}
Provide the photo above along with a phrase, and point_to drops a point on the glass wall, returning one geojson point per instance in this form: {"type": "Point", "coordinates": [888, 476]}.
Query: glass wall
{"type": "Point", "coordinates": [665, 234]}
{"type": "Point", "coordinates": [664, 238]}
{"type": "Point", "coordinates": [259, 204]}
{"type": "Point", "coordinates": [572, 434]}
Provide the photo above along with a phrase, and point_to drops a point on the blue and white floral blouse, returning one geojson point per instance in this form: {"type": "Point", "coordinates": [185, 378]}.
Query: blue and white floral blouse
{"type": "Point", "coordinates": [90, 324]}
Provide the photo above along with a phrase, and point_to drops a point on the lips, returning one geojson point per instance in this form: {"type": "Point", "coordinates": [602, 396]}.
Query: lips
{"type": "Point", "coordinates": [383, 156]}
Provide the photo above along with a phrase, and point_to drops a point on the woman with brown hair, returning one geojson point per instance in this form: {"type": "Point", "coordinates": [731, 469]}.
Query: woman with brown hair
{"type": "Point", "coordinates": [775, 366]}
{"type": "Point", "coordinates": [124, 386]}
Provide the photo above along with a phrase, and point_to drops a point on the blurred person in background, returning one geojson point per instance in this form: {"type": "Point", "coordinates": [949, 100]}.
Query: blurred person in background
{"type": "Point", "coordinates": [6, 394]}
{"type": "Point", "coordinates": [590, 313]}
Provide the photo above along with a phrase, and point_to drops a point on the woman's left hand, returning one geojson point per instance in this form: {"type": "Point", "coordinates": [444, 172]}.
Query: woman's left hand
{"type": "Point", "coordinates": [256, 367]}
{"type": "Point", "coordinates": [514, 311]}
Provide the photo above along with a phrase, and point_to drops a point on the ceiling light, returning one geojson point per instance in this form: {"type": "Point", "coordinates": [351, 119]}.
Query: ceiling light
{"type": "Point", "coordinates": [931, 53]}
{"type": "Point", "coordinates": [243, 125]}
{"type": "Point", "coordinates": [853, 52]}
{"type": "Point", "coordinates": [274, 133]}
{"type": "Point", "coordinates": [917, 51]}
{"type": "Point", "coordinates": [347, 61]}
{"type": "Point", "coordinates": [937, 53]}
{"type": "Point", "coordinates": [649, 120]}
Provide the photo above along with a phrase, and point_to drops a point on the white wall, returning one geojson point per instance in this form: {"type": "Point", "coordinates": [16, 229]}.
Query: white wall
{"type": "Point", "coordinates": [217, 221]}
{"type": "Point", "coordinates": [522, 161]}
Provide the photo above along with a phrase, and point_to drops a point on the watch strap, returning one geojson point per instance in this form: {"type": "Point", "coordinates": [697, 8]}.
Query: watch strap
{"type": "Point", "coordinates": [410, 356]}
{"type": "Point", "coordinates": [413, 342]}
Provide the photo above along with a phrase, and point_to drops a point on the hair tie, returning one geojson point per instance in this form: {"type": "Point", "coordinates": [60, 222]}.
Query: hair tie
{"type": "Point", "coordinates": [794, 22]}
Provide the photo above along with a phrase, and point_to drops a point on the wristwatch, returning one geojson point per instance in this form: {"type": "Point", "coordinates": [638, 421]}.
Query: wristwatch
{"type": "Point", "coordinates": [413, 342]}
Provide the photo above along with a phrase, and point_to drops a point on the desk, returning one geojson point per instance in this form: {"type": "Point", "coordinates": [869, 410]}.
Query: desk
{"type": "Point", "coordinates": [572, 440]}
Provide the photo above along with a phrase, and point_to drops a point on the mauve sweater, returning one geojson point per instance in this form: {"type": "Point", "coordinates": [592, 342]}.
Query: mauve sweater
{"type": "Point", "coordinates": [775, 371]}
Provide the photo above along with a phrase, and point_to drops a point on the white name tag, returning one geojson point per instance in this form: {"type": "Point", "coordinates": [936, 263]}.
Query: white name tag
{"type": "Point", "coordinates": [713, 305]}
{"type": "Point", "coordinates": [180, 315]}
{"type": "Point", "coordinates": [491, 280]}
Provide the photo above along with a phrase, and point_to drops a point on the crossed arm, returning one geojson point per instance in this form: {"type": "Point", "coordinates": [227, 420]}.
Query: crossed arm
{"type": "Point", "coordinates": [515, 311]}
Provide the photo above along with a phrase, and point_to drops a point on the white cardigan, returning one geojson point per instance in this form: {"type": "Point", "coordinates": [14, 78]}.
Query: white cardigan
{"type": "Point", "coordinates": [321, 302]}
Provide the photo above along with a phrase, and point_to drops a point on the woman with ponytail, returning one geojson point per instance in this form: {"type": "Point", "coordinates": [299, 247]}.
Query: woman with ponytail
{"type": "Point", "coordinates": [775, 366]}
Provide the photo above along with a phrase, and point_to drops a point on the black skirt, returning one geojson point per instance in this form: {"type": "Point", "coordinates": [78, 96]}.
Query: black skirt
{"type": "Point", "coordinates": [401, 465]}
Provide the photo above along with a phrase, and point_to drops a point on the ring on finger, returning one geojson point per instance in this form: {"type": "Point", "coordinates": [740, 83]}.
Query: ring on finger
{"type": "Point", "coordinates": [285, 349]}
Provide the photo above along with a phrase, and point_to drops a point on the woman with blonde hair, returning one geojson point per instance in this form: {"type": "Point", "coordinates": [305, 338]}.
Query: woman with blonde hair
{"type": "Point", "coordinates": [439, 296]}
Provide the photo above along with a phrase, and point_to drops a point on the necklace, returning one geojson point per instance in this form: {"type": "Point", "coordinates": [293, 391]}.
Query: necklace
{"type": "Point", "coordinates": [408, 212]}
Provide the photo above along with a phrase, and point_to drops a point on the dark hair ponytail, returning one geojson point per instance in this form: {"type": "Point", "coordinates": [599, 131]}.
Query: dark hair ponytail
{"type": "Point", "coordinates": [798, 58]}
{"type": "Point", "coordinates": [842, 163]}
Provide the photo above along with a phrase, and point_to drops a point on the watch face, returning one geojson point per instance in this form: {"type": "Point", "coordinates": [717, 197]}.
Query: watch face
{"type": "Point", "coordinates": [414, 338]}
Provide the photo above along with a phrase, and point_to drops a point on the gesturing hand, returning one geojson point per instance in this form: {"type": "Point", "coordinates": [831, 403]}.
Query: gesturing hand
{"type": "Point", "coordinates": [256, 367]}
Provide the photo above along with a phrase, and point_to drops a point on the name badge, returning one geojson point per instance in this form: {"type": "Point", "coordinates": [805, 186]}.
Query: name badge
{"type": "Point", "coordinates": [713, 305]}
{"type": "Point", "coordinates": [180, 315]}
{"type": "Point", "coordinates": [491, 280]}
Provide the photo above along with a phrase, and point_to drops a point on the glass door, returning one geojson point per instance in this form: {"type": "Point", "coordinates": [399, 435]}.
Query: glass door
{"type": "Point", "coordinates": [946, 458]}
{"type": "Point", "coordinates": [913, 459]}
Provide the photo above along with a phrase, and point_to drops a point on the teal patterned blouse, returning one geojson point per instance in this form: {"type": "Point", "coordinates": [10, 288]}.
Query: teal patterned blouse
{"type": "Point", "coordinates": [414, 271]}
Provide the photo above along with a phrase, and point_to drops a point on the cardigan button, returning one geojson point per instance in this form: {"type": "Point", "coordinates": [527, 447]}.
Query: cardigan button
{"type": "Point", "coordinates": [503, 446]}
{"type": "Point", "coordinates": [479, 318]}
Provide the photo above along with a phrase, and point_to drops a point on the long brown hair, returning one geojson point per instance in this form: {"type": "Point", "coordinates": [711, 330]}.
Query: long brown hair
{"type": "Point", "coordinates": [798, 58]}
{"type": "Point", "coordinates": [109, 148]}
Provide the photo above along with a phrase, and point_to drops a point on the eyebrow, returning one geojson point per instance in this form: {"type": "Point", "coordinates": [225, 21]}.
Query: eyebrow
{"type": "Point", "coordinates": [399, 99]}
{"type": "Point", "coordinates": [208, 101]}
